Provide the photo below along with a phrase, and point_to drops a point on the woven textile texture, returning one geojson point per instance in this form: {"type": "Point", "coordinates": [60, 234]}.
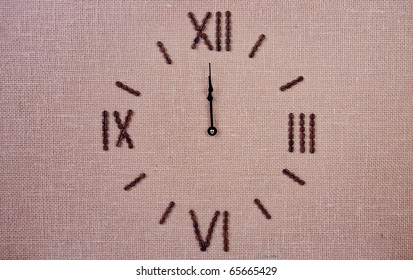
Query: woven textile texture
{"type": "Point", "coordinates": [62, 196]}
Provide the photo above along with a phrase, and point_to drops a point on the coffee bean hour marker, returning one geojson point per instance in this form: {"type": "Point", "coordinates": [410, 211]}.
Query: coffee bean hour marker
{"type": "Point", "coordinates": [292, 83]}
{"type": "Point", "coordinates": [134, 182]}
{"type": "Point", "coordinates": [262, 208]}
{"type": "Point", "coordinates": [293, 177]}
{"type": "Point", "coordinates": [302, 135]}
{"type": "Point", "coordinates": [257, 45]}
{"type": "Point", "coordinates": [123, 134]}
{"type": "Point", "coordinates": [201, 34]}
{"type": "Point", "coordinates": [127, 88]}
{"type": "Point", "coordinates": [162, 49]}
{"type": "Point", "coordinates": [167, 212]}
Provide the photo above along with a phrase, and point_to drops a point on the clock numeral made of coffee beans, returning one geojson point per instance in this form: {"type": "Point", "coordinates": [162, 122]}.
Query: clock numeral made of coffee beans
{"type": "Point", "coordinates": [123, 134]}
{"type": "Point", "coordinates": [311, 135]}
{"type": "Point", "coordinates": [203, 244]}
{"type": "Point", "coordinates": [201, 34]}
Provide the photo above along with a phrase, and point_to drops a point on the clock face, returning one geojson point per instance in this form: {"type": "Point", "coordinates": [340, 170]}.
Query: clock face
{"type": "Point", "coordinates": [265, 183]}
{"type": "Point", "coordinates": [216, 132]}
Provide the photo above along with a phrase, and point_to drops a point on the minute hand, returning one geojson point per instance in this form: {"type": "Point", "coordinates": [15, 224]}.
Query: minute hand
{"type": "Point", "coordinates": [211, 130]}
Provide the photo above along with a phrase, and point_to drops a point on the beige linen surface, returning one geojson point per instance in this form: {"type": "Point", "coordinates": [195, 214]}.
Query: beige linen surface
{"type": "Point", "coordinates": [62, 196]}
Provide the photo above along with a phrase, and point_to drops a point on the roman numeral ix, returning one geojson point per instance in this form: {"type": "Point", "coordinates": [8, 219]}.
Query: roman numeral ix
{"type": "Point", "coordinates": [123, 134]}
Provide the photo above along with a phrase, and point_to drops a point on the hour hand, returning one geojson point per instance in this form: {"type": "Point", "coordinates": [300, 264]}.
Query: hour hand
{"type": "Point", "coordinates": [210, 97]}
{"type": "Point", "coordinates": [212, 130]}
{"type": "Point", "coordinates": [210, 88]}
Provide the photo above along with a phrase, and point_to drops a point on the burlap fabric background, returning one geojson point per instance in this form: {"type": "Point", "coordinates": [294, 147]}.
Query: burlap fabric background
{"type": "Point", "coordinates": [62, 196]}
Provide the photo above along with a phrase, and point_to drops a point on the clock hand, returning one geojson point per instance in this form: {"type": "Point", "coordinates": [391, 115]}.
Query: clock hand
{"type": "Point", "coordinates": [212, 129]}
{"type": "Point", "coordinates": [210, 88]}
